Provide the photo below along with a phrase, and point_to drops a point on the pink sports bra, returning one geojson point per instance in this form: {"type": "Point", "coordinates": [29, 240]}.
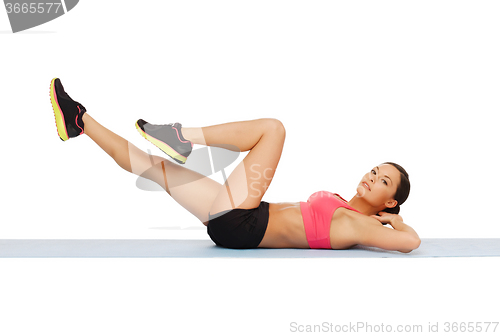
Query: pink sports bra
{"type": "Point", "coordinates": [317, 214]}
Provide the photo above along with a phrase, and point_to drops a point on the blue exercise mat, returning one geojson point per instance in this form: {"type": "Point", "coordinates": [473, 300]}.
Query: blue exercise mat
{"type": "Point", "coordinates": [172, 248]}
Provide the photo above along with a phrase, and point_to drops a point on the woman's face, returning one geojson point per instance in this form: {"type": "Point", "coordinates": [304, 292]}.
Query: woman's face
{"type": "Point", "coordinates": [379, 185]}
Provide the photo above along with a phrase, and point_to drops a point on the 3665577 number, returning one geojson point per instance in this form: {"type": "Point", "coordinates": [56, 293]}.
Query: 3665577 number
{"type": "Point", "coordinates": [32, 7]}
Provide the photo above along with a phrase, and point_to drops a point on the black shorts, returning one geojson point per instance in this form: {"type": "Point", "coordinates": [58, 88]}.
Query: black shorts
{"type": "Point", "coordinates": [239, 228]}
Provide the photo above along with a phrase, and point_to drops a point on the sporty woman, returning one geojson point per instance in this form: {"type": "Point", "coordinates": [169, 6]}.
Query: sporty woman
{"type": "Point", "coordinates": [234, 213]}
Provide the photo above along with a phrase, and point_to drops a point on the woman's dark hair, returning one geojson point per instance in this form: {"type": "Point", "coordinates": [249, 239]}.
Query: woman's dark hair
{"type": "Point", "coordinates": [403, 189]}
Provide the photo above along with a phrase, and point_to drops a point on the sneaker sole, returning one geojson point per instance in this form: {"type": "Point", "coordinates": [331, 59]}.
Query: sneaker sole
{"type": "Point", "coordinates": [163, 146]}
{"type": "Point", "coordinates": [60, 124]}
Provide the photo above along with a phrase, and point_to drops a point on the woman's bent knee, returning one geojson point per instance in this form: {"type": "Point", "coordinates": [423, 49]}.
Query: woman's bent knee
{"type": "Point", "coordinates": [275, 126]}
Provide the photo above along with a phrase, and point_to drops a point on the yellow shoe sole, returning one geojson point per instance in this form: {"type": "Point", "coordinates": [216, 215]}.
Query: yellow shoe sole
{"type": "Point", "coordinates": [163, 146]}
{"type": "Point", "coordinates": [60, 124]}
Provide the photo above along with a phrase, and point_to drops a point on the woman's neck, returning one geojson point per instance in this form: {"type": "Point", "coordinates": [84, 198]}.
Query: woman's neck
{"type": "Point", "coordinates": [362, 206]}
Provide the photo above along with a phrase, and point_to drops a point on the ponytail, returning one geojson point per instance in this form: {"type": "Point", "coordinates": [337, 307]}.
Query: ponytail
{"type": "Point", "coordinates": [403, 190]}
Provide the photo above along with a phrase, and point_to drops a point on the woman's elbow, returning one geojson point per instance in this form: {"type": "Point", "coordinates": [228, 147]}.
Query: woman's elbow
{"type": "Point", "coordinates": [417, 243]}
{"type": "Point", "coordinates": [412, 245]}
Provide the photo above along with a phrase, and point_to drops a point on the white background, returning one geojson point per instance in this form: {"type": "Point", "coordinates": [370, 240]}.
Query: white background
{"type": "Point", "coordinates": [355, 83]}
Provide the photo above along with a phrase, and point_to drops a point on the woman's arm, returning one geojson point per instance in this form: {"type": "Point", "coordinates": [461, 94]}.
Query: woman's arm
{"type": "Point", "coordinates": [396, 222]}
{"type": "Point", "coordinates": [372, 233]}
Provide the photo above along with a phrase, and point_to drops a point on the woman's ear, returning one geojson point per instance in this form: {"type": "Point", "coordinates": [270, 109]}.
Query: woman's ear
{"type": "Point", "coordinates": [391, 203]}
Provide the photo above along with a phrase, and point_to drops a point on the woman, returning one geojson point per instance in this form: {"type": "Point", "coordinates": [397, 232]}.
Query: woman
{"type": "Point", "coordinates": [234, 213]}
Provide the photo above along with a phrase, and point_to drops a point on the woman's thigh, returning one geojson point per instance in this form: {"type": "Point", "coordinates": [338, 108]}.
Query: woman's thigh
{"type": "Point", "coordinates": [249, 181]}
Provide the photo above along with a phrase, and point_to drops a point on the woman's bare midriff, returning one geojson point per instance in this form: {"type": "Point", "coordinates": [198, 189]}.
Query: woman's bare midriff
{"type": "Point", "coordinates": [285, 228]}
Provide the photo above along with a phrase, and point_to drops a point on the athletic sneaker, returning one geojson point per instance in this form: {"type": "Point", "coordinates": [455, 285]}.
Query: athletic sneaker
{"type": "Point", "coordinates": [68, 112]}
{"type": "Point", "coordinates": [168, 138]}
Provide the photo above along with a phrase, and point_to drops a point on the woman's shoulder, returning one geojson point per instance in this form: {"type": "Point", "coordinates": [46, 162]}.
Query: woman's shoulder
{"type": "Point", "coordinates": [356, 221]}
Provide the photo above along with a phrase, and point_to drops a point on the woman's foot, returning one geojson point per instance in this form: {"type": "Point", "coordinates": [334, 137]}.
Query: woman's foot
{"type": "Point", "coordinates": [68, 112]}
{"type": "Point", "coordinates": [166, 137]}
